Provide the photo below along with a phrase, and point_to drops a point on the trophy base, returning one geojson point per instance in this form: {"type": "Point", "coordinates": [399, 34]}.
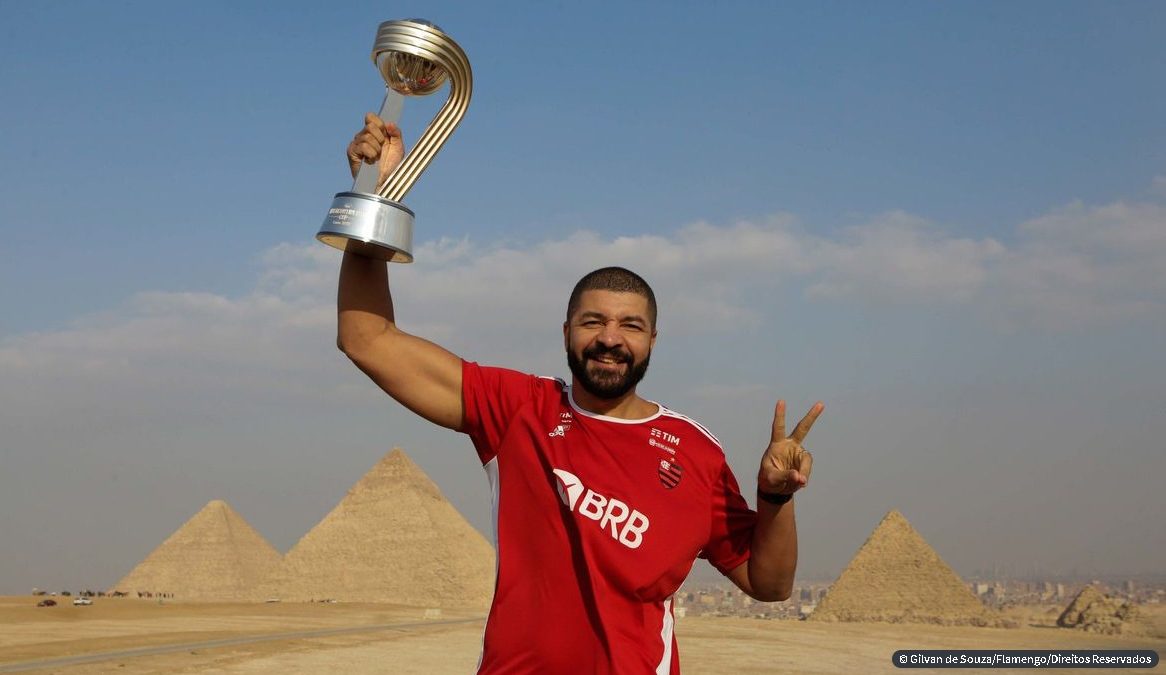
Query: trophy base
{"type": "Point", "coordinates": [370, 226]}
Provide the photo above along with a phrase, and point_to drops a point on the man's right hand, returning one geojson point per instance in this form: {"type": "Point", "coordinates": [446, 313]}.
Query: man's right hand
{"type": "Point", "coordinates": [378, 143]}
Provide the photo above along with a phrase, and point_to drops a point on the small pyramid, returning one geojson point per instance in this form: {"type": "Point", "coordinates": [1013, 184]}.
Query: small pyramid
{"type": "Point", "coordinates": [1095, 612]}
{"type": "Point", "coordinates": [214, 556]}
{"type": "Point", "coordinates": [897, 577]}
{"type": "Point", "coordinates": [1075, 612]}
{"type": "Point", "coordinates": [393, 538]}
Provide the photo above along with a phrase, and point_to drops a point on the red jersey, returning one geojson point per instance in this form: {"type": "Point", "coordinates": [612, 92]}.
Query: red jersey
{"type": "Point", "coordinates": [597, 521]}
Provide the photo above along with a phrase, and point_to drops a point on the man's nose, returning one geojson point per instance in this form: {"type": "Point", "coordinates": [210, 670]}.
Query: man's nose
{"type": "Point", "coordinates": [610, 336]}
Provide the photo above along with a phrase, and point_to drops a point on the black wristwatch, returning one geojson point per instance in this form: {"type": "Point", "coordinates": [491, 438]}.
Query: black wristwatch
{"type": "Point", "coordinates": [774, 497]}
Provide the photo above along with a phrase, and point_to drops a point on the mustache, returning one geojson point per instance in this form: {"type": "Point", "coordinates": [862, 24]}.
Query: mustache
{"type": "Point", "coordinates": [599, 351]}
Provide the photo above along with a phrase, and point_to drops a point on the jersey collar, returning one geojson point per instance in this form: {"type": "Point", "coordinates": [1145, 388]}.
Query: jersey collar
{"type": "Point", "coordinates": [608, 418]}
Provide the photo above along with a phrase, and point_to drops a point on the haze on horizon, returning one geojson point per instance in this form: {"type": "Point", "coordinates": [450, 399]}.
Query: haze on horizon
{"type": "Point", "coordinates": [946, 221]}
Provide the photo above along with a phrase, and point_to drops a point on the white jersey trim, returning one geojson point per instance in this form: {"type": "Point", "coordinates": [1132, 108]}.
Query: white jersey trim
{"type": "Point", "coordinates": [491, 468]}
{"type": "Point", "coordinates": [700, 427]}
{"type": "Point", "coordinates": [665, 665]}
{"type": "Point", "coordinates": [606, 418]}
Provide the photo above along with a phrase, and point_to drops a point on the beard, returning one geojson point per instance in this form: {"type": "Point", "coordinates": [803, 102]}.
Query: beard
{"type": "Point", "coordinates": [606, 384]}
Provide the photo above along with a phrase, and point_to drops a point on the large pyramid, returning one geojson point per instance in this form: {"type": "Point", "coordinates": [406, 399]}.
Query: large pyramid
{"type": "Point", "coordinates": [214, 556]}
{"type": "Point", "coordinates": [897, 577]}
{"type": "Point", "coordinates": [393, 538]}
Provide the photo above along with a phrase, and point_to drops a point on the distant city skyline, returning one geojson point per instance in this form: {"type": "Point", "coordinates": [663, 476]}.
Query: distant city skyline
{"type": "Point", "coordinates": [947, 221]}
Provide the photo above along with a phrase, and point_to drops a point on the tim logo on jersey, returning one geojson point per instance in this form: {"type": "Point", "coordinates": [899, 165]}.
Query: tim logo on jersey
{"type": "Point", "coordinates": [625, 525]}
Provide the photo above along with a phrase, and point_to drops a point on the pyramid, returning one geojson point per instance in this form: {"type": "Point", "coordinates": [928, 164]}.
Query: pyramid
{"type": "Point", "coordinates": [393, 538]}
{"type": "Point", "coordinates": [1094, 612]}
{"type": "Point", "coordinates": [214, 556]}
{"type": "Point", "coordinates": [1074, 614]}
{"type": "Point", "coordinates": [897, 577]}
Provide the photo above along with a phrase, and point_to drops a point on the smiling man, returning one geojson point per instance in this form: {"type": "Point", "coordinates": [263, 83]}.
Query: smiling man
{"type": "Point", "coordinates": [602, 500]}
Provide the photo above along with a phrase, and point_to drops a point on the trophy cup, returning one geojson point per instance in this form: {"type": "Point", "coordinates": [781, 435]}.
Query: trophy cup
{"type": "Point", "coordinates": [415, 58]}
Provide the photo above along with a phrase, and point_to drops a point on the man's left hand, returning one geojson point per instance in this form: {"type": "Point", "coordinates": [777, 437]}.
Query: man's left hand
{"type": "Point", "coordinates": [786, 466]}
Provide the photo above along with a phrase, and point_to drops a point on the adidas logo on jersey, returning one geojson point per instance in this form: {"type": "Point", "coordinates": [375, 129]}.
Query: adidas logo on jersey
{"type": "Point", "coordinates": [608, 513]}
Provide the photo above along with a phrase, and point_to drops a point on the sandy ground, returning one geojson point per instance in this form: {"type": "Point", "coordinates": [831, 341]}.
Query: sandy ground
{"type": "Point", "coordinates": [389, 639]}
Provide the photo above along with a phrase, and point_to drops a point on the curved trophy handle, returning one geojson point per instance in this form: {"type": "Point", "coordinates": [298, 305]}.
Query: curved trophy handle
{"type": "Point", "coordinates": [415, 57]}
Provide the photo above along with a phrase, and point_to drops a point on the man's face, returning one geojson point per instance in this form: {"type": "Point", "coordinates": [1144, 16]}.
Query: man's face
{"type": "Point", "coordinates": [609, 341]}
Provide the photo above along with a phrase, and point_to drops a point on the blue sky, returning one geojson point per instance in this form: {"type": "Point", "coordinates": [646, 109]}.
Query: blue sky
{"type": "Point", "coordinates": [947, 220]}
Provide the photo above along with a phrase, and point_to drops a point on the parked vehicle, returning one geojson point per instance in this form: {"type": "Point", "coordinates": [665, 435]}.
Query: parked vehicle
{"type": "Point", "coordinates": [47, 603]}
{"type": "Point", "coordinates": [82, 601]}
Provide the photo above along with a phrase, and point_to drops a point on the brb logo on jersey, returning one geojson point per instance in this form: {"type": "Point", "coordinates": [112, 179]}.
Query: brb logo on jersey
{"type": "Point", "coordinates": [608, 513]}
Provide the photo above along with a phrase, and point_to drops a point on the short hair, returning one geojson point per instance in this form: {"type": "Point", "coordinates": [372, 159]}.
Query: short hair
{"type": "Point", "coordinates": [615, 279]}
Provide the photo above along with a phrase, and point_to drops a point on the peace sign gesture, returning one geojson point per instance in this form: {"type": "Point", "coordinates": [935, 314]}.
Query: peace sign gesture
{"type": "Point", "coordinates": [786, 466]}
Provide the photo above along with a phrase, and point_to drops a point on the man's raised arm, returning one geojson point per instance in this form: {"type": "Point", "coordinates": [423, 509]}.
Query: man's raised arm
{"type": "Point", "coordinates": [422, 376]}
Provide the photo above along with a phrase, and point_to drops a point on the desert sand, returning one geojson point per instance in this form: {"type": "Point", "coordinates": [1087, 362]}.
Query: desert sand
{"type": "Point", "coordinates": [378, 638]}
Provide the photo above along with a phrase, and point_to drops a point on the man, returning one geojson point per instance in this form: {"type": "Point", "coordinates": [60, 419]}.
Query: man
{"type": "Point", "coordinates": [602, 499]}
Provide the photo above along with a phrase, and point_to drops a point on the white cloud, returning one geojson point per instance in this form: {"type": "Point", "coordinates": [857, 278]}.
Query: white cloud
{"type": "Point", "coordinates": [1087, 264]}
{"type": "Point", "coordinates": [902, 258]}
{"type": "Point", "coordinates": [1074, 264]}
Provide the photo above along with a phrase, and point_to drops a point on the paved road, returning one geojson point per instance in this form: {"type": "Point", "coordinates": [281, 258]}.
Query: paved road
{"type": "Point", "coordinates": [22, 666]}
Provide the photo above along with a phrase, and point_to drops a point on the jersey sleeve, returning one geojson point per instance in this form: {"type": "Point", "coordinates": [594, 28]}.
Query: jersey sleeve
{"type": "Point", "coordinates": [491, 397]}
{"type": "Point", "coordinates": [733, 522]}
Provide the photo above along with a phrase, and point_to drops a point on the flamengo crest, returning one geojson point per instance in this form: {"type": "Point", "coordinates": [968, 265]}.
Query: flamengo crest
{"type": "Point", "coordinates": [669, 473]}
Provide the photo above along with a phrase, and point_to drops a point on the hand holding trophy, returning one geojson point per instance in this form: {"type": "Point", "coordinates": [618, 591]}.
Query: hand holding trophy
{"type": "Point", "coordinates": [376, 143]}
{"type": "Point", "coordinates": [415, 58]}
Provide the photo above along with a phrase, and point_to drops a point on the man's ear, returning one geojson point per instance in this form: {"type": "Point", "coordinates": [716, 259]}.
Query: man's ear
{"type": "Point", "coordinates": [565, 340]}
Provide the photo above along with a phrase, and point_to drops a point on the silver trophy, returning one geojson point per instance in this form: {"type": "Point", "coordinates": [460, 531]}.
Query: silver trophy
{"type": "Point", "coordinates": [415, 58]}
